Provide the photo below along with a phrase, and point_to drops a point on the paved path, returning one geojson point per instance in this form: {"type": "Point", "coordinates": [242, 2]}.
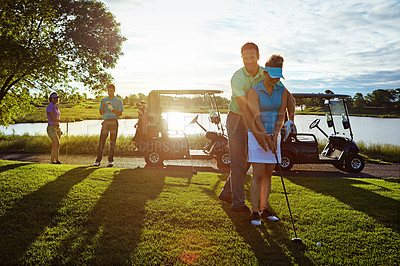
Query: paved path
{"type": "Point", "coordinates": [322, 170]}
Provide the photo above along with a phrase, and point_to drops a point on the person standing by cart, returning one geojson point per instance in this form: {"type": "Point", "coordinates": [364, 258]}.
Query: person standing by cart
{"type": "Point", "coordinates": [111, 109]}
{"type": "Point", "coordinates": [53, 126]}
{"type": "Point", "coordinates": [239, 119]}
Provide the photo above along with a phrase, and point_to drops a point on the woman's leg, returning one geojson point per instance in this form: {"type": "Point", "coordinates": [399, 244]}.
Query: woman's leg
{"type": "Point", "coordinates": [55, 148]}
{"type": "Point", "coordinates": [52, 150]}
{"type": "Point", "coordinates": [258, 173]}
{"type": "Point", "coordinates": [266, 186]}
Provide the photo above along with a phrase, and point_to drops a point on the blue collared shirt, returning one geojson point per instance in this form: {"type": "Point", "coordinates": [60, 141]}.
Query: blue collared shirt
{"type": "Point", "coordinates": [116, 104]}
{"type": "Point", "coordinates": [269, 104]}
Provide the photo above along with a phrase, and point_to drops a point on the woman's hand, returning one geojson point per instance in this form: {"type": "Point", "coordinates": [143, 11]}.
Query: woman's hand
{"type": "Point", "coordinates": [261, 138]}
{"type": "Point", "coordinates": [270, 143]}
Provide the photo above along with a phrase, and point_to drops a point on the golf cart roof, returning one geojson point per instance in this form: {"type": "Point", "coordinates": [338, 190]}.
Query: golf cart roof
{"type": "Point", "coordinates": [319, 95]}
{"type": "Point", "coordinates": [181, 92]}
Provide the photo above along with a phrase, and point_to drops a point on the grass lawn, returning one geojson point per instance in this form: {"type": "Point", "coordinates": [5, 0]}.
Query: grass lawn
{"type": "Point", "coordinates": [64, 214]}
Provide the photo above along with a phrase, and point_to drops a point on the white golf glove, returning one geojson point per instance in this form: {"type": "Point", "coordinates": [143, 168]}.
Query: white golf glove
{"type": "Point", "coordinates": [110, 107]}
{"type": "Point", "coordinates": [289, 127]}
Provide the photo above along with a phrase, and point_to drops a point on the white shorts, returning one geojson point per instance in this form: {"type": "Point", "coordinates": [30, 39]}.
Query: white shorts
{"type": "Point", "coordinates": [258, 155]}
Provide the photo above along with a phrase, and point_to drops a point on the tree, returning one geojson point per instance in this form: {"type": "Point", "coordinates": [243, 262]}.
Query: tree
{"type": "Point", "coordinates": [329, 92]}
{"type": "Point", "coordinates": [396, 94]}
{"type": "Point", "coordinates": [44, 45]}
{"type": "Point", "coordinates": [381, 98]}
{"type": "Point", "coordinates": [358, 100]}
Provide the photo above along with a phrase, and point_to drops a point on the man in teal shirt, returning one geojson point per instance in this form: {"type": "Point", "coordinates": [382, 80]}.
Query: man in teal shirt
{"type": "Point", "coordinates": [238, 120]}
{"type": "Point", "coordinates": [111, 109]}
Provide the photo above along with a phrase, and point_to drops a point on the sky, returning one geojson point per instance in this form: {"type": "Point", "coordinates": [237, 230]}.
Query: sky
{"type": "Point", "coordinates": [342, 45]}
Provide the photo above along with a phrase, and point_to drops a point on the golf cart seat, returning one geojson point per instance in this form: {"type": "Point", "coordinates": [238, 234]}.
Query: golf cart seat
{"type": "Point", "coordinates": [304, 138]}
{"type": "Point", "coordinates": [176, 134]}
{"type": "Point", "coordinates": [336, 146]}
{"type": "Point", "coordinates": [339, 142]}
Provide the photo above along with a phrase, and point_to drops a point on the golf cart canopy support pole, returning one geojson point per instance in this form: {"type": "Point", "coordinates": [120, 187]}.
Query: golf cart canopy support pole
{"type": "Point", "coordinates": [330, 114]}
{"type": "Point", "coordinates": [347, 115]}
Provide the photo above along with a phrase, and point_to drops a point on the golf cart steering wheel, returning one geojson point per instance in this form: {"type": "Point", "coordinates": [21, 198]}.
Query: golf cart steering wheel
{"type": "Point", "coordinates": [194, 120]}
{"type": "Point", "coordinates": [314, 123]}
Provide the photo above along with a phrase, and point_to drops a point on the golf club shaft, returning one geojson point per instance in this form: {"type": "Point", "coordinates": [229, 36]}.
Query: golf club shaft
{"type": "Point", "coordinates": [284, 189]}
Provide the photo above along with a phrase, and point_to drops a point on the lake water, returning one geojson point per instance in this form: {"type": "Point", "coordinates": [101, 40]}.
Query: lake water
{"type": "Point", "coordinates": [367, 129]}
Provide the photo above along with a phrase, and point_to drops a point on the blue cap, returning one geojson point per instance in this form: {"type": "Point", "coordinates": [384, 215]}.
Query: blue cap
{"type": "Point", "coordinates": [274, 72]}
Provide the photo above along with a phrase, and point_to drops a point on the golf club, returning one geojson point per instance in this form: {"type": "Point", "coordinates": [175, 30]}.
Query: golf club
{"type": "Point", "coordinates": [296, 239]}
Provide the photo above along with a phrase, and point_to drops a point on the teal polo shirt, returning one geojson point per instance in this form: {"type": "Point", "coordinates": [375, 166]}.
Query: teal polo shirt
{"type": "Point", "coordinates": [116, 104]}
{"type": "Point", "coordinates": [241, 83]}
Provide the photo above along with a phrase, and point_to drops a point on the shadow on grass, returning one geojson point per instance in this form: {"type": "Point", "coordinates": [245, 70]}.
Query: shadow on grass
{"type": "Point", "coordinates": [393, 180]}
{"type": "Point", "coordinates": [7, 167]}
{"type": "Point", "coordinates": [269, 248]}
{"type": "Point", "coordinates": [384, 209]}
{"type": "Point", "coordinates": [23, 157]}
{"type": "Point", "coordinates": [114, 227]}
{"type": "Point", "coordinates": [27, 219]}
{"type": "Point", "coordinates": [187, 168]}
{"type": "Point", "coordinates": [338, 173]}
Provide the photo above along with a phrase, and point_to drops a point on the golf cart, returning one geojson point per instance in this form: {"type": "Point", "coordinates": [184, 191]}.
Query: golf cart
{"type": "Point", "coordinates": [341, 150]}
{"type": "Point", "coordinates": [156, 143]}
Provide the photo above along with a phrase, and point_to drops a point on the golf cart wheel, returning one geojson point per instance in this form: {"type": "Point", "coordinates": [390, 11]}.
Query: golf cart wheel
{"type": "Point", "coordinates": [354, 163]}
{"type": "Point", "coordinates": [153, 158]}
{"type": "Point", "coordinates": [223, 160]}
{"type": "Point", "coordinates": [286, 161]}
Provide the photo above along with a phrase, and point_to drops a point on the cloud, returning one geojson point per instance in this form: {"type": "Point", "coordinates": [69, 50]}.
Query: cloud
{"type": "Point", "coordinates": [338, 45]}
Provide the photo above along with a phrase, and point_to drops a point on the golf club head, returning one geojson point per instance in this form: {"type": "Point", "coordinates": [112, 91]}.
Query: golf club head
{"type": "Point", "coordinates": [297, 240]}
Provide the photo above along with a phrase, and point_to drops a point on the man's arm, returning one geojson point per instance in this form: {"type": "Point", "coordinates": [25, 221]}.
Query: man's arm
{"type": "Point", "coordinates": [279, 120]}
{"type": "Point", "coordinates": [290, 106]}
{"type": "Point", "coordinates": [117, 113]}
{"type": "Point", "coordinates": [281, 113]}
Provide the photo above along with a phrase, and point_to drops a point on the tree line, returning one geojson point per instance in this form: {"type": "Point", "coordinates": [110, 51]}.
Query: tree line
{"type": "Point", "coordinates": [389, 99]}
{"type": "Point", "coordinates": [166, 100]}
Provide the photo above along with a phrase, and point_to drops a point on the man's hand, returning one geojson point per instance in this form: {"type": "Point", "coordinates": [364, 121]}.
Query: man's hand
{"type": "Point", "coordinates": [103, 105]}
{"type": "Point", "coordinates": [271, 143]}
{"type": "Point", "coordinates": [264, 141]}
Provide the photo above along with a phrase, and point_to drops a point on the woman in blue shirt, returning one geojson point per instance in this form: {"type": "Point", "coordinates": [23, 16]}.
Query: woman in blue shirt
{"type": "Point", "coordinates": [267, 103]}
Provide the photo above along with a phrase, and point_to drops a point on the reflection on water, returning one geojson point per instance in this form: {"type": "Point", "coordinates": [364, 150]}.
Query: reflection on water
{"type": "Point", "coordinates": [367, 129]}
